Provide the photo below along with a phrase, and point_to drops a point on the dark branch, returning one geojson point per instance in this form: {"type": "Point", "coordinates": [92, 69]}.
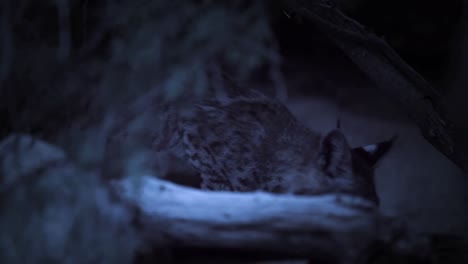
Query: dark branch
{"type": "Point", "coordinates": [389, 72]}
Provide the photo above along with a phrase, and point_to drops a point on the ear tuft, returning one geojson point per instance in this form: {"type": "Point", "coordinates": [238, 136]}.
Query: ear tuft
{"type": "Point", "coordinates": [335, 156]}
{"type": "Point", "coordinates": [374, 152]}
{"type": "Point", "coordinates": [338, 123]}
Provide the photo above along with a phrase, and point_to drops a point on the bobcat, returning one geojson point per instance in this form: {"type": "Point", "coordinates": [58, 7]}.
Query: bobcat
{"type": "Point", "coordinates": [249, 143]}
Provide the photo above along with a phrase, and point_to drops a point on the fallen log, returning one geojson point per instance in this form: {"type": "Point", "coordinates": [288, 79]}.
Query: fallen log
{"type": "Point", "coordinates": [336, 228]}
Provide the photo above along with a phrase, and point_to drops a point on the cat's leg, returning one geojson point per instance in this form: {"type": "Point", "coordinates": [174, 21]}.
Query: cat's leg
{"type": "Point", "coordinates": [215, 183]}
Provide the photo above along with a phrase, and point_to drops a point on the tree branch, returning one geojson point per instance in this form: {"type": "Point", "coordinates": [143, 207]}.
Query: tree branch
{"type": "Point", "coordinates": [328, 228]}
{"type": "Point", "coordinates": [389, 72]}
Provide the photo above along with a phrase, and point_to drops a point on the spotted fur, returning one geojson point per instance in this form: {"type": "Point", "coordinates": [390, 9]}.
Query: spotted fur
{"type": "Point", "coordinates": [255, 143]}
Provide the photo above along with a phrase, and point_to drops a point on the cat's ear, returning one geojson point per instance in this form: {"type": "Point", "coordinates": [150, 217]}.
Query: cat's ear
{"type": "Point", "coordinates": [374, 152]}
{"type": "Point", "coordinates": [335, 156]}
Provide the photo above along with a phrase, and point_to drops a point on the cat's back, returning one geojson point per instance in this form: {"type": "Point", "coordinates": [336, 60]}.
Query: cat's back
{"type": "Point", "coordinates": [237, 143]}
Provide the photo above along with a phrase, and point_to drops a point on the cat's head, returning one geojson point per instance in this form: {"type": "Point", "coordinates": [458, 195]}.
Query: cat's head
{"type": "Point", "coordinates": [351, 170]}
{"type": "Point", "coordinates": [337, 168]}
